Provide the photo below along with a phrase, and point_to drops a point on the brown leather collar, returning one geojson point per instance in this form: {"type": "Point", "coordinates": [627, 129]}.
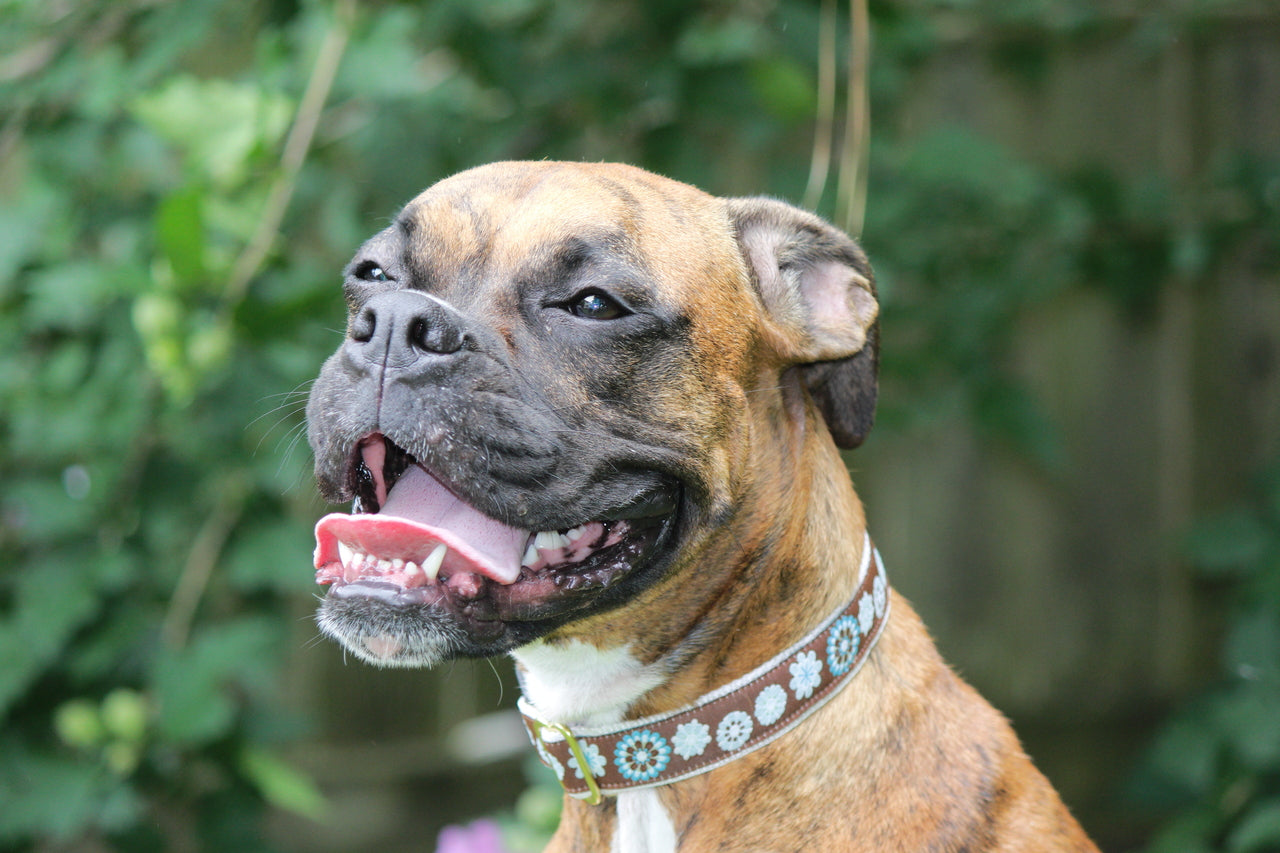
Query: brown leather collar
{"type": "Point", "coordinates": [727, 723]}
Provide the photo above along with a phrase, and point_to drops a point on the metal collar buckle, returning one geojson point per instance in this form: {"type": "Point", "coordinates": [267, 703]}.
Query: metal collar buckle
{"type": "Point", "coordinates": [593, 795]}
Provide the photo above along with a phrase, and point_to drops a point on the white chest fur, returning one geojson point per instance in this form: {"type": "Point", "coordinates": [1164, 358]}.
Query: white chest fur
{"type": "Point", "coordinates": [643, 824]}
{"type": "Point", "coordinates": [579, 684]}
{"type": "Point", "coordinates": [576, 683]}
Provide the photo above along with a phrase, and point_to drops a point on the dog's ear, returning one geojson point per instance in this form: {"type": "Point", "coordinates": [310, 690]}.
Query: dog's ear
{"type": "Point", "coordinates": [818, 288]}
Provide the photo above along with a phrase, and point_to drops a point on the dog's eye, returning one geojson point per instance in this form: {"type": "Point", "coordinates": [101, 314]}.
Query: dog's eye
{"type": "Point", "coordinates": [595, 305]}
{"type": "Point", "coordinates": [369, 271]}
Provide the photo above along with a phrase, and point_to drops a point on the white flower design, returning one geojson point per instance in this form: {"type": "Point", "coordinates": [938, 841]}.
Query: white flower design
{"type": "Point", "coordinates": [691, 739]}
{"type": "Point", "coordinates": [880, 589]}
{"type": "Point", "coordinates": [595, 761]}
{"type": "Point", "coordinates": [770, 704]}
{"type": "Point", "coordinates": [806, 674]}
{"type": "Point", "coordinates": [866, 612]}
{"type": "Point", "coordinates": [734, 730]}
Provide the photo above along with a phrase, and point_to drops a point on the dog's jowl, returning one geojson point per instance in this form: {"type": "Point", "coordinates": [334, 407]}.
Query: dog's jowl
{"type": "Point", "coordinates": [590, 417]}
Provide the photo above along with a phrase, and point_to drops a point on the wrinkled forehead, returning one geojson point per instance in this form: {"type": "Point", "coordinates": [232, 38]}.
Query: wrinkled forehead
{"type": "Point", "coordinates": [505, 215]}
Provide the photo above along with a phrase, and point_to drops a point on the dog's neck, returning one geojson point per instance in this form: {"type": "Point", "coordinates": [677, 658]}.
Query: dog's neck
{"type": "Point", "coordinates": [705, 637]}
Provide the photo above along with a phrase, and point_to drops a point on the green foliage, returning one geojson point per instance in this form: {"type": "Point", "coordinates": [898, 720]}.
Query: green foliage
{"type": "Point", "coordinates": [168, 287]}
{"type": "Point", "coordinates": [1216, 763]}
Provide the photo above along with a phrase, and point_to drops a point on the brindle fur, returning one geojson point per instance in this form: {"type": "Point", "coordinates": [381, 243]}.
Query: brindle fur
{"type": "Point", "coordinates": [736, 390]}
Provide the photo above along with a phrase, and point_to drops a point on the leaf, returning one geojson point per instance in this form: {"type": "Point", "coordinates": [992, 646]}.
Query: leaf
{"type": "Point", "coordinates": [274, 556]}
{"type": "Point", "coordinates": [51, 602]}
{"type": "Point", "coordinates": [1259, 829]}
{"type": "Point", "coordinates": [1188, 833]}
{"type": "Point", "coordinates": [1252, 646]}
{"type": "Point", "coordinates": [1232, 543]}
{"type": "Point", "coordinates": [70, 295]}
{"type": "Point", "coordinates": [281, 785]}
{"type": "Point", "coordinates": [1246, 717]}
{"type": "Point", "coordinates": [1185, 754]}
{"type": "Point", "coordinates": [180, 235]}
{"type": "Point", "coordinates": [58, 798]}
{"type": "Point", "coordinates": [784, 87]}
{"type": "Point", "coordinates": [219, 125]}
{"type": "Point", "coordinates": [193, 685]}
{"type": "Point", "coordinates": [715, 41]}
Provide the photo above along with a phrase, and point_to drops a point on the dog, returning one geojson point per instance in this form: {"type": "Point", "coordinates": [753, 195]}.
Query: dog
{"type": "Point", "coordinates": [591, 417]}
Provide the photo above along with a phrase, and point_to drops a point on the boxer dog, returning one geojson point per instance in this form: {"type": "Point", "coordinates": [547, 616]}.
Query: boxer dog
{"type": "Point", "coordinates": [590, 417]}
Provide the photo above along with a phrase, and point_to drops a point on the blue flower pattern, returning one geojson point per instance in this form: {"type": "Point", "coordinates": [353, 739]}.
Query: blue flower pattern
{"type": "Point", "coordinates": [842, 644]}
{"type": "Point", "coordinates": [642, 755]}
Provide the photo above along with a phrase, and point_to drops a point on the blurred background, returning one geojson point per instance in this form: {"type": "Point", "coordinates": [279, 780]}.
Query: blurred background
{"type": "Point", "coordinates": [1073, 208]}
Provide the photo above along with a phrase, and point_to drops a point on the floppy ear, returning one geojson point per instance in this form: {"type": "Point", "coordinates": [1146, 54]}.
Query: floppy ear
{"type": "Point", "coordinates": [818, 289]}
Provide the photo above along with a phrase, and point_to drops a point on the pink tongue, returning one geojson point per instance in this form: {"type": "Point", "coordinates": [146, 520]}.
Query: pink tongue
{"type": "Point", "coordinates": [419, 514]}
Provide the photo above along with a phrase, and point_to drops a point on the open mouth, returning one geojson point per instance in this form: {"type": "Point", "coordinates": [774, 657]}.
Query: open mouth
{"type": "Point", "coordinates": [410, 540]}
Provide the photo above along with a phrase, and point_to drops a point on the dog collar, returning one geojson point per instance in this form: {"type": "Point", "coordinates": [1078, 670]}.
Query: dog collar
{"type": "Point", "coordinates": [727, 723]}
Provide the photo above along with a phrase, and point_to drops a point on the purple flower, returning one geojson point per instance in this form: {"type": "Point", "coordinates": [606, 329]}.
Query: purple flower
{"type": "Point", "coordinates": [481, 836]}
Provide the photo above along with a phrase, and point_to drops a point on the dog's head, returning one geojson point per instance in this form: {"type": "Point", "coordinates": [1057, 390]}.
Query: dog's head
{"type": "Point", "coordinates": [554, 380]}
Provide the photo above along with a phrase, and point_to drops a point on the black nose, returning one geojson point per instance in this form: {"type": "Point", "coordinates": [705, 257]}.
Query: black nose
{"type": "Point", "coordinates": [401, 330]}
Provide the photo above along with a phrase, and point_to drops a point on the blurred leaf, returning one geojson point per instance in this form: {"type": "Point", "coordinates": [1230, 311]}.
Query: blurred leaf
{"type": "Point", "coordinates": [180, 228]}
{"type": "Point", "coordinates": [1258, 830]}
{"type": "Point", "coordinates": [1252, 646]}
{"type": "Point", "coordinates": [276, 557]}
{"type": "Point", "coordinates": [281, 785]}
{"type": "Point", "coordinates": [196, 686]}
{"type": "Point", "coordinates": [51, 602]}
{"type": "Point", "coordinates": [1185, 755]}
{"type": "Point", "coordinates": [720, 41]}
{"type": "Point", "coordinates": [1229, 543]}
{"type": "Point", "coordinates": [57, 798]}
{"type": "Point", "coordinates": [784, 87]}
{"type": "Point", "coordinates": [1191, 832]}
{"type": "Point", "coordinates": [218, 124]}
{"type": "Point", "coordinates": [71, 295]}
{"type": "Point", "coordinates": [1247, 719]}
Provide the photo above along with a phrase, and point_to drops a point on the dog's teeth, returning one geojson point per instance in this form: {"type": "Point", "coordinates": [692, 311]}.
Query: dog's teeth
{"type": "Point", "coordinates": [431, 565]}
{"type": "Point", "coordinates": [411, 569]}
{"type": "Point", "coordinates": [345, 554]}
{"type": "Point", "coordinates": [573, 534]}
{"type": "Point", "coordinates": [530, 555]}
{"type": "Point", "coordinates": [550, 540]}
{"type": "Point", "coordinates": [397, 564]}
{"type": "Point", "coordinates": [384, 567]}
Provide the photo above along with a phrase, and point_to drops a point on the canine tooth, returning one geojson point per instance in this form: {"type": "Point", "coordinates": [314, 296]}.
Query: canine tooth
{"type": "Point", "coordinates": [530, 555]}
{"type": "Point", "coordinates": [431, 565]}
{"type": "Point", "coordinates": [345, 554]}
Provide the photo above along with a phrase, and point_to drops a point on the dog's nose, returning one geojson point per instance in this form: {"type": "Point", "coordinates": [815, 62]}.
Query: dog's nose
{"type": "Point", "coordinates": [399, 330]}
